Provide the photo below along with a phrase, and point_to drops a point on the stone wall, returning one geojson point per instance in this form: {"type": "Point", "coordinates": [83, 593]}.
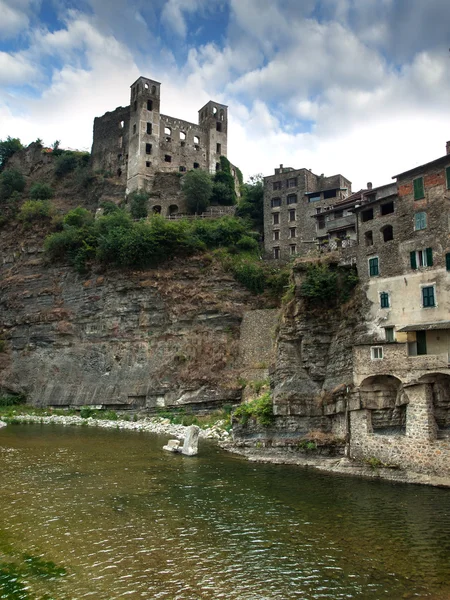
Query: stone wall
{"type": "Point", "coordinates": [110, 142]}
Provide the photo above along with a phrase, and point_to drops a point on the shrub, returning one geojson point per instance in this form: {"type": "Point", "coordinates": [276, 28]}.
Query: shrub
{"type": "Point", "coordinates": [251, 203]}
{"type": "Point", "coordinates": [327, 287]}
{"type": "Point", "coordinates": [65, 163]}
{"type": "Point", "coordinates": [35, 210]}
{"type": "Point", "coordinates": [260, 409]}
{"type": "Point", "coordinates": [11, 181]}
{"type": "Point", "coordinates": [138, 204]}
{"type": "Point", "coordinates": [251, 275]}
{"type": "Point", "coordinates": [247, 243]}
{"type": "Point", "coordinates": [41, 191]}
{"type": "Point", "coordinates": [197, 190]}
{"type": "Point", "coordinates": [10, 400]}
{"type": "Point", "coordinates": [109, 207]}
{"type": "Point", "coordinates": [9, 147]}
{"type": "Point", "coordinates": [223, 193]}
{"type": "Point", "coordinates": [78, 217]}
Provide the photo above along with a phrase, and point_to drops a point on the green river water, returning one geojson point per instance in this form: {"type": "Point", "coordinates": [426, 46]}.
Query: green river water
{"type": "Point", "coordinates": [125, 519]}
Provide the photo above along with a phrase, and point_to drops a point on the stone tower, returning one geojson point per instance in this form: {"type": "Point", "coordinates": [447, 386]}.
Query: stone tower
{"type": "Point", "coordinates": [144, 132]}
{"type": "Point", "coordinates": [213, 119]}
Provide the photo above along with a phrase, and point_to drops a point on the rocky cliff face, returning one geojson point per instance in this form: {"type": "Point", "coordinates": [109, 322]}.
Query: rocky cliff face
{"type": "Point", "coordinates": [160, 337]}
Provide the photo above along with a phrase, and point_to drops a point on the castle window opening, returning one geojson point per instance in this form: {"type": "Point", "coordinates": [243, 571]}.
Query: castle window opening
{"type": "Point", "coordinates": [197, 147]}
{"type": "Point", "coordinates": [291, 199]}
{"type": "Point", "coordinates": [275, 218]}
{"type": "Point", "coordinates": [196, 166]}
{"type": "Point", "coordinates": [368, 238]}
{"type": "Point", "coordinates": [217, 166]}
{"type": "Point", "coordinates": [447, 261]}
{"type": "Point", "coordinates": [148, 148]}
{"type": "Point", "coordinates": [196, 140]}
{"type": "Point", "coordinates": [275, 202]}
{"type": "Point", "coordinates": [135, 106]}
{"type": "Point", "coordinates": [388, 233]}
{"type": "Point", "coordinates": [292, 232]}
{"type": "Point", "coordinates": [148, 164]}
{"type": "Point", "coordinates": [119, 172]}
{"type": "Point", "coordinates": [182, 135]}
{"type": "Point", "coordinates": [293, 249]}
{"type": "Point", "coordinates": [134, 128]}
{"type": "Point", "coordinates": [149, 128]}
{"type": "Point", "coordinates": [276, 253]}
{"type": "Point", "coordinates": [182, 169]}
{"type": "Point", "coordinates": [447, 177]}
{"type": "Point", "coordinates": [420, 221]}
{"type": "Point", "coordinates": [218, 126]}
{"type": "Point", "coordinates": [387, 208]}
{"type": "Point", "coordinates": [146, 86]}
{"type": "Point", "coordinates": [119, 157]}
{"type": "Point", "coordinates": [276, 185]}
{"type": "Point", "coordinates": [157, 210]}
{"type": "Point", "coordinates": [183, 144]}
{"type": "Point", "coordinates": [122, 124]}
{"type": "Point", "coordinates": [218, 148]}
{"type": "Point", "coordinates": [367, 215]}
{"type": "Point", "coordinates": [329, 194]}
{"type": "Point", "coordinates": [168, 139]}
{"type": "Point", "coordinates": [214, 110]}
{"type": "Point", "coordinates": [276, 235]}
{"type": "Point", "coordinates": [153, 89]}
{"type": "Point", "coordinates": [167, 131]}
{"type": "Point", "coordinates": [167, 158]}
{"type": "Point", "coordinates": [292, 215]}
{"type": "Point", "coordinates": [173, 209]}
{"type": "Point", "coordinates": [149, 104]}
{"type": "Point", "coordinates": [222, 115]}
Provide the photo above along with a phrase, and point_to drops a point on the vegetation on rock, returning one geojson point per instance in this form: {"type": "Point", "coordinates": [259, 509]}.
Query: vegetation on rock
{"type": "Point", "coordinates": [197, 189]}
{"type": "Point", "coordinates": [8, 147]}
{"type": "Point", "coordinates": [251, 203]}
{"type": "Point", "coordinates": [11, 181]}
{"type": "Point", "coordinates": [260, 409]}
{"type": "Point", "coordinates": [327, 286]}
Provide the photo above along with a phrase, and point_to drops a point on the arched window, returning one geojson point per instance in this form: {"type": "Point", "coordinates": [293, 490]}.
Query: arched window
{"type": "Point", "coordinates": [157, 210]}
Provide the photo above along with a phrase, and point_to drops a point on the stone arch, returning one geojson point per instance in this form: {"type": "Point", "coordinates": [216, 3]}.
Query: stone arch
{"type": "Point", "coordinates": [172, 210]}
{"type": "Point", "coordinates": [385, 399]}
{"type": "Point", "coordinates": [440, 390]}
{"type": "Point", "coordinates": [156, 209]}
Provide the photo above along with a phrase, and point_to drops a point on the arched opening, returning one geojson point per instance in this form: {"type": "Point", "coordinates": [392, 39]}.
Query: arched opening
{"type": "Point", "coordinates": [384, 398]}
{"type": "Point", "coordinates": [146, 86]}
{"type": "Point", "coordinates": [119, 172]}
{"type": "Point", "coordinates": [388, 233]}
{"type": "Point", "coordinates": [440, 386]}
{"type": "Point", "coordinates": [156, 210]}
{"type": "Point", "coordinates": [172, 210]}
{"type": "Point", "coordinates": [153, 89]}
{"type": "Point", "coordinates": [368, 238]}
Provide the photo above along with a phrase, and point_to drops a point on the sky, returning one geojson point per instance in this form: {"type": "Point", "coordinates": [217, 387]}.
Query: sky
{"type": "Point", "coordinates": [358, 87]}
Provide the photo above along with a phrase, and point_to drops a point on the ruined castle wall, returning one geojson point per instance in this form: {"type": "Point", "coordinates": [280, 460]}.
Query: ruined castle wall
{"type": "Point", "coordinates": [110, 142]}
{"type": "Point", "coordinates": [184, 143]}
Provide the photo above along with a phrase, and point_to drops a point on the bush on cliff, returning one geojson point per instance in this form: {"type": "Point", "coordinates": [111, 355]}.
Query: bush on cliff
{"type": "Point", "coordinates": [138, 204]}
{"type": "Point", "coordinates": [8, 147]}
{"type": "Point", "coordinates": [260, 409]}
{"type": "Point", "coordinates": [197, 190]}
{"type": "Point", "coordinates": [35, 210]}
{"type": "Point", "coordinates": [41, 191]}
{"type": "Point", "coordinates": [11, 181]}
{"type": "Point", "coordinates": [326, 286]}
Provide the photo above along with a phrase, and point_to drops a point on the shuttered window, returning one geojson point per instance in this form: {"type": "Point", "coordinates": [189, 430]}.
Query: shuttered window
{"type": "Point", "coordinates": [419, 191]}
{"type": "Point", "coordinates": [384, 300]}
{"type": "Point", "coordinates": [447, 175]}
{"type": "Point", "coordinates": [412, 256]}
{"type": "Point", "coordinates": [428, 299]}
{"type": "Point", "coordinates": [373, 267]}
{"type": "Point", "coordinates": [420, 221]}
{"type": "Point", "coordinates": [421, 258]}
{"type": "Point", "coordinates": [429, 255]}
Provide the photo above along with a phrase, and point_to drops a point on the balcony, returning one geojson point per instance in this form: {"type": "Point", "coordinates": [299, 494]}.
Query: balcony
{"type": "Point", "coordinates": [339, 223]}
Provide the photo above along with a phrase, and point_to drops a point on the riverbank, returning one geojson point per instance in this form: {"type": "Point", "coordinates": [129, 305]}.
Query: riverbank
{"type": "Point", "coordinates": [337, 465]}
{"type": "Point", "coordinates": [159, 425]}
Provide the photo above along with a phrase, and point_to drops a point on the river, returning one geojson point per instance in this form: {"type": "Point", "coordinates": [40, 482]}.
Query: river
{"type": "Point", "coordinates": [122, 518]}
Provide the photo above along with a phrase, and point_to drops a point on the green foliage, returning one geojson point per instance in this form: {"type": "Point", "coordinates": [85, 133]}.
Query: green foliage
{"type": "Point", "coordinates": [2, 345]}
{"type": "Point", "coordinates": [109, 207]}
{"type": "Point", "coordinates": [8, 147]}
{"type": "Point", "coordinates": [197, 190]}
{"type": "Point", "coordinates": [15, 400]}
{"type": "Point", "coordinates": [11, 181]}
{"type": "Point", "coordinates": [222, 192]}
{"type": "Point", "coordinates": [239, 176]}
{"type": "Point", "coordinates": [78, 217]}
{"type": "Point", "coordinates": [251, 203]}
{"type": "Point", "coordinates": [138, 204]}
{"type": "Point", "coordinates": [35, 210]}
{"type": "Point", "coordinates": [68, 160]}
{"type": "Point", "coordinates": [247, 242]}
{"type": "Point", "coordinates": [326, 286]}
{"type": "Point", "coordinates": [307, 445]}
{"type": "Point", "coordinates": [260, 409]}
{"type": "Point", "coordinates": [41, 191]}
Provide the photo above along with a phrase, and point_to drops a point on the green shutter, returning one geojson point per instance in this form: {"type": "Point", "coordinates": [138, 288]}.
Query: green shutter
{"type": "Point", "coordinates": [420, 221]}
{"type": "Point", "coordinates": [447, 173]}
{"type": "Point", "coordinates": [412, 256]}
{"type": "Point", "coordinates": [429, 253]}
{"type": "Point", "coordinates": [418, 189]}
{"type": "Point", "coordinates": [447, 261]}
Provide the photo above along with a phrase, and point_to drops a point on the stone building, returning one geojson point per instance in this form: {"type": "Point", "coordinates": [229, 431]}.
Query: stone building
{"type": "Point", "coordinates": [135, 142]}
{"type": "Point", "coordinates": [292, 197]}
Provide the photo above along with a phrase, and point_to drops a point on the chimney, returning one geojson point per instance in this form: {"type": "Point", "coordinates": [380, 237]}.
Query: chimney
{"type": "Point", "coordinates": [447, 147]}
{"type": "Point", "coordinates": [369, 185]}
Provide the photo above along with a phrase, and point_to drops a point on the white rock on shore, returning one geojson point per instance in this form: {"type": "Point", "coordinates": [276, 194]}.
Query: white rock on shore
{"type": "Point", "coordinates": [3, 424]}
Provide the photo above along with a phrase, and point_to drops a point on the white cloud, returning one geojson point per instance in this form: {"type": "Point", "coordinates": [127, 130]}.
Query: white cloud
{"type": "Point", "coordinates": [14, 17]}
{"type": "Point", "coordinates": [15, 69]}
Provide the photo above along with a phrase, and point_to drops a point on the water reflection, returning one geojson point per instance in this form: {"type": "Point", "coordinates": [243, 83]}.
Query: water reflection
{"type": "Point", "coordinates": [128, 519]}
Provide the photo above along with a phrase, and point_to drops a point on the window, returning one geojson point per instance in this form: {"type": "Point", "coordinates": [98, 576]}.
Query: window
{"type": "Point", "coordinates": [218, 148]}
{"type": "Point", "coordinates": [119, 157]}
{"type": "Point", "coordinates": [218, 126]}
{"type": "Point", "coordinates": [196, 165]}
{"type": "Point", "coordinates": [384, 300]}
{"type": "Point", "coordinates": [291, 183]}
{"type": "Point", "coordinates": [291, 199]}
{"type": "Point", "coordinates": [122, 124]}
{"type": "Point", "coordinates": [387, 208]}
{"type": "Point", "coordinates": [421, 258]}
{"type": "Point", "coordinates": [120, 142]}
{"type": "Point", "coordinates": [217, 167]}
{"type": "Point", "coordinates": [388, 233]}
{"type": "Point", "coordinates": [196, 140]}
{"type": "Point", "coordinates": [318, 211]}
{"type": "Point", "coordinates": [420, 221]}
{"type": "Point", "coordinates": [182, 135]}
{"type": "Point", "coordinates": [292, 232]}
{"type": "Point", "coordinates": [276, 235]}
{"type": "Point", "coordinates": [389, 334]}
{"type": "Point", "coordinates": [148, 148]}
{"type": "Point", "coordinates": [447, 176]}
{"type": "Point", "coordinates": [419, 191]}
{"type": "Point", "coordinates": [428, 299]}
{"type": "Point", "coordinates": [149, 128]}
{"type": "Point", "coordinates": [367, 215]}
{"type": "Point", "coordinates": [338, 214]}
{"type": "Point", "coordinates": [135, 105]}
{"type": "Point", "coordinates": [277, 185]}
{"type": "Point", "coordinates": [329, 194]}
{"type": "Point", "coordinates": [368, 238]}
{"type": "Point", "coordinates": [314, 198]}
{"type": "Point", "coordinates": [447, 261]}
{"type": "Point", "coordinates": [134, 128]}
{"type": "Point", "coordinates": [148, 164]}
{"type": "Point", "coordinates": [292, 249]}
{"type": "Point", "coordinates": [275, 202]}
{"type": "Point", "coordinates": [149, 104]}
{"type": "Point", "coordinates": [292, 215]}
{"type": "Point", "coordinates": [321, 223]}
{"type": "Point", "coordinates": [182, 169]}
{"type": "Point", "coordinates": [167, 158]}
{"type": "Point", "coordinates": [276, 252]}
{"type": "Point", "coordinates": [373, 267]}
{"type": "Point", "coordinates": [275, 218]}
{"type": "Point", "coordinates": [376, 352]}
{"type": "Point", "coordinates": [167, 131]}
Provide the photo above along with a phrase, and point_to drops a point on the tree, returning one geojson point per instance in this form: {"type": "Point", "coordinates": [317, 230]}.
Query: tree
{"type": "Point", "coordinates": [8, 147]}
{"type": "Point", "coordinates": [197, 190]}
{"type": "Point", "coordinates": [251, 205]}
{"type": "Point", "coordinates": [223, 194]}
{"type": "Point", "coordinates": [41, 191]}
{"type": "Point", "coordinates": [138, 204]}
{"type": "Point", "coordinates": [11, 181]}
